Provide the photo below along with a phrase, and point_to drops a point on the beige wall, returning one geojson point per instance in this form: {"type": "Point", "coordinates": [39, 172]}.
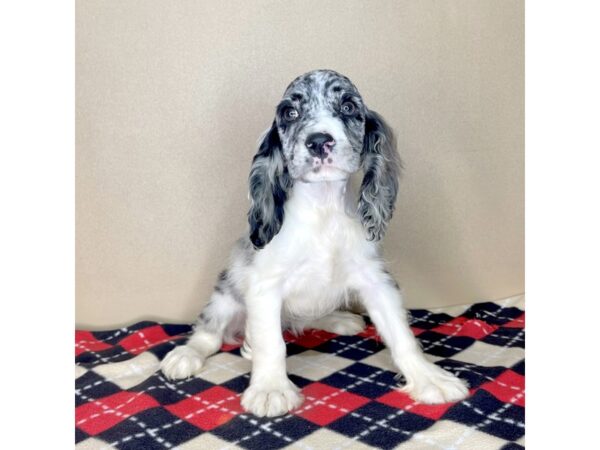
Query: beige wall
{"type": "Point", "coordinates": [172, 96]}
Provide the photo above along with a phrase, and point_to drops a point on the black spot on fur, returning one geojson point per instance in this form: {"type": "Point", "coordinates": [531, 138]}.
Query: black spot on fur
{"type": "Point", "coordinates": [202, 317]}
{"type": "Point", "coordinates": [222, 282]}
{"type": "Point", "coordinates": [391, 279]}
{"type": "Point", "coordinates": [309, 77]}
{"type": "Point", "coordinates": [329, 82]}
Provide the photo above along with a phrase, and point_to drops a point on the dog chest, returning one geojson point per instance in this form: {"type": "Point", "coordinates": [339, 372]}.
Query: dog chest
{"type": "Point", "coordinates": [316, 282]}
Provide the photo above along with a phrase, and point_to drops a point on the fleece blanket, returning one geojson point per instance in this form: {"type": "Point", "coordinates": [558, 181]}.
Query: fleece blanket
{"type": "Point", "coordinates": [123, 401]}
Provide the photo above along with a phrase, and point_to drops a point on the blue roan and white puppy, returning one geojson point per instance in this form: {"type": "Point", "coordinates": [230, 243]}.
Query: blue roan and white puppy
{"type": "Point", "coordinates": [311, 246]}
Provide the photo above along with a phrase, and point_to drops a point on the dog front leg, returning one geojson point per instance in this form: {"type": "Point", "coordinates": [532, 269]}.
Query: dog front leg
{"type": "Point", "coordinates": [425, 382]}
{"type": "Point", "coordinates": [270, 393]}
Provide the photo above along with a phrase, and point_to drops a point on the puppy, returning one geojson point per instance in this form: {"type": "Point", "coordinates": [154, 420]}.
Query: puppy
{"type": "Point", "coordinates": [311, 246]}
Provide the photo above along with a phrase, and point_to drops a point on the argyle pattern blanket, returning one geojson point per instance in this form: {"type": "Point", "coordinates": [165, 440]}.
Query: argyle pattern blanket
{"type": "Point", "coordinates": [351, 402]}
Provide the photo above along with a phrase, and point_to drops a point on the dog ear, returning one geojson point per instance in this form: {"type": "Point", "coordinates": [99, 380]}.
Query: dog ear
{"type": "Point", "coordinates": [269, 185]}
{"type": "Point", "coordinates": [381, 166]}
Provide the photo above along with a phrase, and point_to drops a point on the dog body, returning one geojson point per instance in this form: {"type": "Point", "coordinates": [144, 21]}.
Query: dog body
{"type": "Point", "coordinates": [312, 247]}
{"type": "Point", "coordinates": [318, 249]}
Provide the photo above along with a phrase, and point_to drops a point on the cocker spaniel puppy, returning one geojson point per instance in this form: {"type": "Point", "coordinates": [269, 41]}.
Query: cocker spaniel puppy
{"type": "Point", "coordinates": [311, 246]}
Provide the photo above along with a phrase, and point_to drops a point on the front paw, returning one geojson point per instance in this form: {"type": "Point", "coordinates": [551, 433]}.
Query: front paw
{"type": "Point", "coordinates": [436, 385]}
{"type": "Point", "coordinates": [181, 362]}
{"type": "Point", "coordinates": [271, 398]}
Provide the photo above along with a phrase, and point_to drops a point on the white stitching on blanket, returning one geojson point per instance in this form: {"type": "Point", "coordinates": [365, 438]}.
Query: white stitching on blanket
{"type": "Point", "coordinates": [179, 420]}
{"type": "Point", "coordinates": [108, 410]}
{"type": "Point", "coordinates": [147, 342]}
{"type": "Point", "coordinates": [500, 410]}
{"type": "Point", "coordinates": [169, 339]}
{"type": "Point", "coordinates": [505, 348]}
{"type": "Point", "coordinates": [440, 342]}
{"type": "Point", "coordinates": [105, 340]}
{"type": "Point", "coordinates": [101, 358]}
{"type": "Point", "coordinates": [133, 418]}
{"type": "Point", "coordinates": [489, 313]}
{"type": "Point", "coordinates": [426, 341]}
{"type": "Point", "coordinates": [487, 377]}
{"type": "Point", "coordinates": [242, 416]}
{"type": "Point", "coordinates": [494, 416]}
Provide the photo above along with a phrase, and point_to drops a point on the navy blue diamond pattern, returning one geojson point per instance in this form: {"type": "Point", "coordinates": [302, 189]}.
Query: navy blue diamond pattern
{"type": "Point", "coordinates": [442, 345]}
{"type": "Point", "coordinates": [362, 379]}
{"type": "Point", "coordinates": [151, 429]}
{"type": "Point", "coordinates": [351, 347]}
{"type": "Point", "coordinates": [488, 414]}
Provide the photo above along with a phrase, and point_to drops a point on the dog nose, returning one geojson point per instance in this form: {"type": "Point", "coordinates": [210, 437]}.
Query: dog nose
{"type": "Point", "coordinates": [318, 143]}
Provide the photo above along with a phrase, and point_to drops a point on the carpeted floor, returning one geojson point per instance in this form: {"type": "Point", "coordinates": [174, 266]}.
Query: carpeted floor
{"type": "Point", "coordinates": [123, 401]}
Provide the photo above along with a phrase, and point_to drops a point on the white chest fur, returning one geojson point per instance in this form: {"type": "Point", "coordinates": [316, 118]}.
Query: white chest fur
{"type": "Point", "coordinates": [319, 246]}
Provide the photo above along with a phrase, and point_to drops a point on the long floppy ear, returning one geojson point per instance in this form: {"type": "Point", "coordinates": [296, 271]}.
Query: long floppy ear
{"type": "Point", "coordinates": [381, 166]}
{"type": "Point", "coordinates": [269, 185]}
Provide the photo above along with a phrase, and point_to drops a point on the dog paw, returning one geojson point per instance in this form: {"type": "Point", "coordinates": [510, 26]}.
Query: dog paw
{"type": "Point", "coordinates": [342, 323]}
{"type": "Point", "coordinates": [271, 399]}
{"type": "Point", "coordinates": [181, 362]}
{"type": "Point", "coordinates": [437, 386]}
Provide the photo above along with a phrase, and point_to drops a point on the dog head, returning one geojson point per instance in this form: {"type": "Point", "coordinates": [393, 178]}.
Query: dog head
{"type": "Point", "coordinates": [323, 131]}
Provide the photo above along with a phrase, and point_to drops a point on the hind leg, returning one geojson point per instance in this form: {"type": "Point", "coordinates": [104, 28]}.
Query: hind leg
{"type": "Point", "coordinates": [223, 317]}
{"type": "Point", "coordinates": [339, 322]}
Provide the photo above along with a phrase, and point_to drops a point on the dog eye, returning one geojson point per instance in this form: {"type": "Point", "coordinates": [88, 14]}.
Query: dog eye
{"type": "Point", "coordinates": [290, 114]}
{"type": "Point", "coordinates": [348, 108]}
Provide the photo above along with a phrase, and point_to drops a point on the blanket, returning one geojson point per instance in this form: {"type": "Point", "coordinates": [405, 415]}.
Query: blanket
{"type": "Point", "coordinates": [123, 401]}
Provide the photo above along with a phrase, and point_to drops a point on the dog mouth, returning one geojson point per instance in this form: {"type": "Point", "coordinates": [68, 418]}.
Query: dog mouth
{"type": "Point", "coordinates": [322, 172]}
{"type": "Point", "coordinates": [322, 163]}
{"type": "Point", "coordinates": [333, 163]}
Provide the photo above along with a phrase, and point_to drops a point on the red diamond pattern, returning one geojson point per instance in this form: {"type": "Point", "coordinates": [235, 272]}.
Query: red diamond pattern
{"type": "Point", "coordinates": [462, 326]}
{"type": "Point", "coordinates": [310, 338]}
{"type": "Point", "coordinates": [324, 404]}
{"type": "Point", "coordinates": [507, 388]}
{"type": "Point", "coordinates": [209, 409]}
{"type": "Point", "coordinates": [85, 342]}
{"type": "Point", "coordinates": [401, 400]}
{"type": "Point", "coordinates": [99, 415]}
{"type": "Point", "coordinates": [144, 339]}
